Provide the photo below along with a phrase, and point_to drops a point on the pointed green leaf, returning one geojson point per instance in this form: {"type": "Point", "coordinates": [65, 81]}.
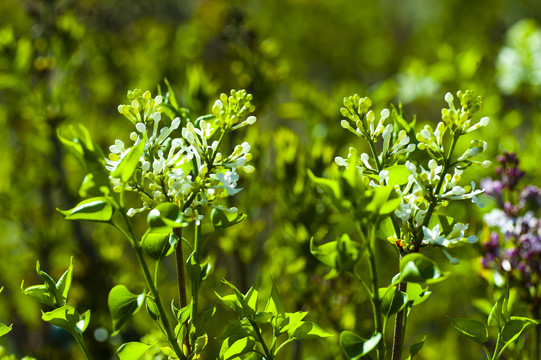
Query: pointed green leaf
{"type": "Point", "coordinates": [415, 348]}
{"type": "Point", "coordinates": [93, 209]}
{"type": "Point", "coordinates": [239, 347]}
{"type": "Point", "coordinates": [152, 309]}
{"type": "Point", "coordinates": [127, 165]}
{"type": "Point", "coordinates": [341, 255]}
{"type": "Point", "coordinates": [64, 283]}
{"type": "Point", "coordinates": [499, 316]}
{"type": "Point", "coordinates": [251, 298]}
{"type": "Point", "coordinates": [122, 305]}
{"type": "Point", "coordinates": [274, 304]}
{"type": "Point", "coordinates": [132, 350]}
{"type": "Point", "coordinates": [40, 293]}
{"type": "Point", "coordinates": [392, 301]}
{"type": "Point", "coordinates": [221, 219]}
{"type": "Point", "coordinates": [84, 320]}
{"type": "Point", "coordinates": [309, 330]}
{"type": "Point", "coordinates": [356, 347]}
{"type": "Point", "coordinates": [292, 321]}
{"type": "Point", "coordinates": [475, 330]}
{"type": "Point", "coordinates": [417, 268]}
{"type": "Point", "coordinates": [166, 215]}
{"type": "Point", "coordinates": [380, 202]}
{"type": "Point", "coordinates": [65, 317]}
{"type": "Point", "coordinates": [50, 284]}
{"type": "Point", "coordinates": [516, 326]}
{"type": "Point", "coordinates": [330, 187]}
{"type": "Point", "coordinates": [4, 329]}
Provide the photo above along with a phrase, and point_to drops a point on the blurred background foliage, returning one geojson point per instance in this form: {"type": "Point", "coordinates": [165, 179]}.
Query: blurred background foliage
{"type": "Point", "coordinates": [72, 61]}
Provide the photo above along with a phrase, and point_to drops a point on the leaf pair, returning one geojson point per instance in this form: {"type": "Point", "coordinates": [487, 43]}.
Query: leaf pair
{"type": "Point", "coordinates": [244, 334]}
{"type": "Point", "coordinates": [510, 328]}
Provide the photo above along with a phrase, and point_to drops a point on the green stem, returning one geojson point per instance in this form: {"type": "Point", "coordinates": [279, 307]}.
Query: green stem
{"type": "Point", "coordinates": [181, 277]}
{"type": "Point", "coordinates": [148, 279]}
{"type": "Point", "coordinates": [82, 344]}
{"type": "Point", "coordinates": [163, 315]}
{"type": "Point", "coordinates": [497, 355]}
{"type": "Point", "coordinates": [195, 282]}
{"type": "Point", "coordinates": [268, 354]}
{"type": "Point", "coordinates": [378, 319]}
{"type": "Point", "coordinates": [487, 353]}
{"type": "Point", "coordinates": [375, 155]}
{"type": "Point", "coordinates": [399, 328]}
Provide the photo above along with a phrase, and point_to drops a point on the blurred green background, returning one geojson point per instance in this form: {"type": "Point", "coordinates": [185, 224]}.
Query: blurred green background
{"type": "Point", "coordinates": [72, 61]}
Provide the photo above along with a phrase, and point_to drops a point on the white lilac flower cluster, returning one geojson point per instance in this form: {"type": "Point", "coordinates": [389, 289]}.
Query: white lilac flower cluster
{"type": "Point", "coordinates": [426, 189]}
{"type": "Point", "coordinates": [183, 164]}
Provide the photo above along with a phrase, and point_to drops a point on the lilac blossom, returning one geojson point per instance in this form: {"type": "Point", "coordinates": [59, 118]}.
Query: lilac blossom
{"type": "Point", "coordinates": [514, 244]}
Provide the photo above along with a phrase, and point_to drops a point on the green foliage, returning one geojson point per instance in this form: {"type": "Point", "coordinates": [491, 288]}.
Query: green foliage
{"type": "Point", "coordinates": [245, 334]}
{"type": "Point", "coordinates": [510, 328]}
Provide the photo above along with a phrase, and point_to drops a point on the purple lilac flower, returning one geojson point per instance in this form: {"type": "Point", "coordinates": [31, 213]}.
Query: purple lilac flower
{"type": "Point", "coordinates": [514, 245]}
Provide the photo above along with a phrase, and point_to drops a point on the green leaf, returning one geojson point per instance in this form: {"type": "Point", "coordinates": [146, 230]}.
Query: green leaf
{"type": "Point", "coordinates": [127, 165]}
{"type": "Point", "coordinates": [251, 299]}
{"type": "Point", "coordinates": [40, 293]}
{"type": "Point", "coordinates": [78, 142]}
{"type": "Point", "coordinates": [171, 98]}
{"type": "Point", "coordinates": [516, 326]}
{"type": "Point", "coordinates": [475, 330]}
{"type": "Point", "coordinates": [392, 301]}
{"type": "Point", "coordinates": [132, 350]}
{"type": "Point", "coordinates": [84, 320]}
{"type": "Point", "coordinates": [292, 321]}
{"type": "Point", "coordinates": [207, 315]}
{"type": "Point", "coordinates": [499, 316]}
{"type": "Point", "coordinates": [417, 268]}
{"type": "Point", "coordinates": [166, 215]}
{"type": "Point", "coordinates": [122, 305]}
{"type": "Point", "coordinates": [416, 294]}
{"type": "Point", "coordinates": [415, 348]}
{"type": "Point", "coordinates": [239, 347]}
{"type": "Point", "coordinates": [93, 209]}
{"type": "Point", "coordinates": [380, 202]}
{"type": "Point", "coordinates": [398, 175]}
{"type": "Point", "coordinates": [341, 255]}
{"type": "Point", "coordinates": [156, 243]}
{"type": "Point", "coordinates": [50, 284]}
{"type": "Point", "coordinates": [331, 188]}
{"type": "Point", "coordinates": [356, 347]}
{"type": "Point", "coordinates": [221, 219]}
{"type": "Point", "coordinates": [4, 329]}
{"type": "Point", "coordinates": [64, 283]}
{"type": "Point", "coordinates": [65, 317]}
{"type": "Point", "coordinates": [309, 330]}
{"type": "Point", "coordinates": [274, 304]}
{"type": "Point", "coordinates": [152, 309]}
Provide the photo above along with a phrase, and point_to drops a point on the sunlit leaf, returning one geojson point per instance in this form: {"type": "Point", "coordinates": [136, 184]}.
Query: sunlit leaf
{"type": "Point", "coordinates": [516, 326]}
{"type": "Point", "coordinates": [416, 348]}
{"type": "Point", "coordinates": [309, 330]}
{"type": "Point", "coordinates": [127, 165]}
{"type": "Point", "coordinates": [417, 268]}
{"type": "Point", "coordinates": [132, 350]}
{"type": "Point", "coordinates": [356, 347]}
{"type": "Point", "coordinates": [499, 315]}
{"type": "Point", "coordinates": [475, 330]}
{"type": "Point", "coordinates": [65, 317]}
{"type": "Point", "coordinates": [122, 305]}
{"type": "Point", "coordinates": [4, 329]}
{"type": "Point", "coordinates": [221, 219]}
{"type": "Point", "coordinates": [93, 209]}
